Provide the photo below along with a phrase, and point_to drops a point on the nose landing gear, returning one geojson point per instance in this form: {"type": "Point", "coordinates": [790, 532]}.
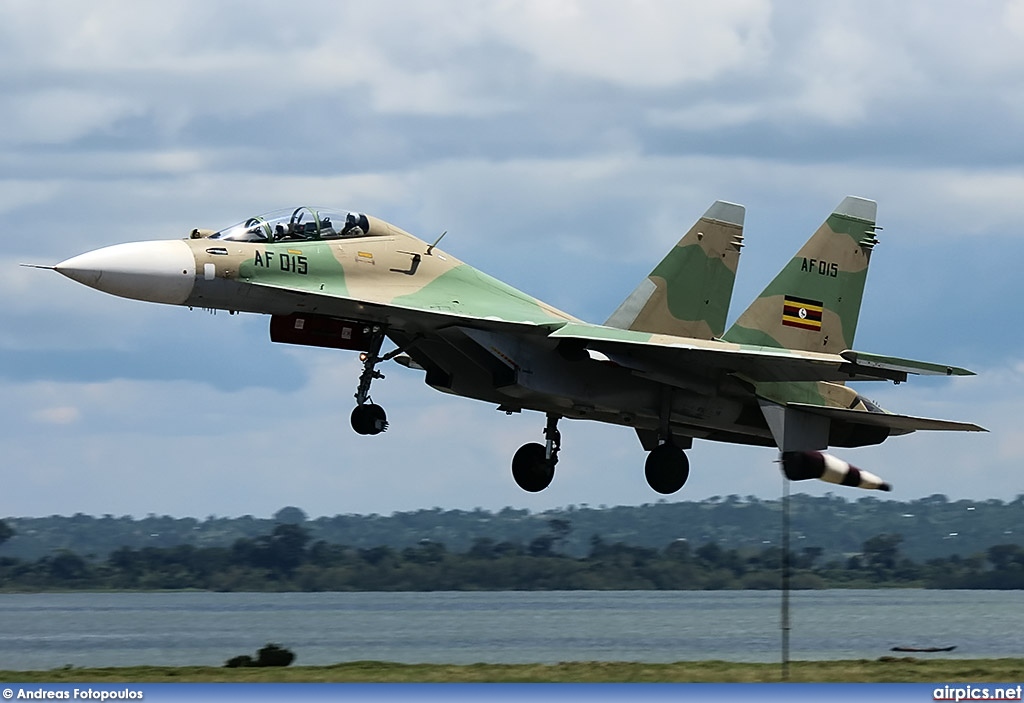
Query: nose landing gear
{"type": "Point", "coordinates": [367, 417]}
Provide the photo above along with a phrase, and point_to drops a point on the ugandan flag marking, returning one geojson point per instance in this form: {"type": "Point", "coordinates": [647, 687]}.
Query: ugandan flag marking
{"type": "Point", "coordinates": [802, 313]}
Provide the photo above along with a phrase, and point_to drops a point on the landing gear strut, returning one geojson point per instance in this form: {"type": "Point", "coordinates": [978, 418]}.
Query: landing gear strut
{"type": "Point", "coordinates": [533, 465]}
{"type": "Point", "coordinates": [367, 417]}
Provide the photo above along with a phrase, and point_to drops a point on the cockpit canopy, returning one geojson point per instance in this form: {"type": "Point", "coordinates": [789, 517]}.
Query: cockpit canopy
{"type": "Point", "coordinates": [302, 223]}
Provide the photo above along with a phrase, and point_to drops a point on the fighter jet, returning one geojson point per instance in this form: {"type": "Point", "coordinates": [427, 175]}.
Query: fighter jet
{"type": "Point", "coordinates": [663, 363]}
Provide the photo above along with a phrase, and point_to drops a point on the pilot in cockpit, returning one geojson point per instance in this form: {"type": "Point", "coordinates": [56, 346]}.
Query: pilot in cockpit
{"type": "Point", "coordinates": [352, 228]}
{"type": "Point", "coordinates": [283, 232]}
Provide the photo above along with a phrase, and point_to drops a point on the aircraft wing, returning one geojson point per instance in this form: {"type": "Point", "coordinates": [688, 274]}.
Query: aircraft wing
{"type": "Point", "coordinates": [666, 354]}
{"type": "Point", "coordinates": [659, 355]}
{"type": "Point", "coordinates": [885, 419]}
{"type": "Point", "coordinates": [525, 316]}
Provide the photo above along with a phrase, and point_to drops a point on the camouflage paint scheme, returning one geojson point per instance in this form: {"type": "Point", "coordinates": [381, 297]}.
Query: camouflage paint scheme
{"type": "Point", "coordinates": [344, 275]}
{"type": "Point", "coordinates": [661, 363]}
{"type": "Point", "coordinates": [688, 293]}
{"type": "Point", "coordinates": [831, 269]}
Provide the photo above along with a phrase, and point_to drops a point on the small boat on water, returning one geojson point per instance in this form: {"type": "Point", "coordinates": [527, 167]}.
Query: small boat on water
{"type": "Point", "coordinates": [923, 649]}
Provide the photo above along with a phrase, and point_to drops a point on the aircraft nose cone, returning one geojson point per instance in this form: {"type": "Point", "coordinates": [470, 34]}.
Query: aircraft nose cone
{"type": "Point", "coordinates": [161, 271]}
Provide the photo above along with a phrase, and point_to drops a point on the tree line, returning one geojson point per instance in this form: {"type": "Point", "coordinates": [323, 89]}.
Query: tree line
{"type": "Point", "coordinates": [288, 559]}
{"type": "Point", "coordinates": [935, 526]}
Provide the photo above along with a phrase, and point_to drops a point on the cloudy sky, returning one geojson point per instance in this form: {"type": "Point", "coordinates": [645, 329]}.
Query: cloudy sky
{"type": "Point", "coordinates": [564, 146]}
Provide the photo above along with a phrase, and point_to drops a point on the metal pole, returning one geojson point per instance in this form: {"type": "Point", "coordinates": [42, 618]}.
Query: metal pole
{"type": "Point", "coordinates": [785, 578]}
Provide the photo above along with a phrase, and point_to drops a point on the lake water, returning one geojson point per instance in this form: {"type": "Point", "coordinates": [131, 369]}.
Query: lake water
{"type": "Point", "coordinates": [50, 630]}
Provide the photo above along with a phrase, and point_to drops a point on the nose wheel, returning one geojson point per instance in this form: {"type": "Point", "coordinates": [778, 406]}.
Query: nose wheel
{"type": "Point", "coordinates": [533, 465]}
{"type": "Point", "coordinates": [369, 419]}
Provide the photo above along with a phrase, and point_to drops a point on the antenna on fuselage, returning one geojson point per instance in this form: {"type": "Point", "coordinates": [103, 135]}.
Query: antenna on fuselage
{"type": "Point", "coordinates": [430, 249]}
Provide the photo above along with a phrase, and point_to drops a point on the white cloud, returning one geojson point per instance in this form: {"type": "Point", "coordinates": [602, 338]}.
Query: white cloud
{"type": "Point", "coordinates": [708, 115]}
{"type": "Point", "coordinates": [58, 116]}
{"type": "Point", "coordinates": [646, 43]}
{"type": "Point", "coordinates": [834, 62]}
{"type": "Point", "coordinates": [16, 193]}
{"type": "Point", "coordinates": [60, 415]}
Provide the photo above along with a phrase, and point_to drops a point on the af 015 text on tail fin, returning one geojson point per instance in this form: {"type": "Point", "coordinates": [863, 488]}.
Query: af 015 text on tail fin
{"type": "Point", "coordinates": [814, 302]}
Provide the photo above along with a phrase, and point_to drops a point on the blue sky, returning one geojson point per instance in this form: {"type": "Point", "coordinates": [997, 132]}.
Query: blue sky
{"type": "Point", "coordinates": [564, 146]}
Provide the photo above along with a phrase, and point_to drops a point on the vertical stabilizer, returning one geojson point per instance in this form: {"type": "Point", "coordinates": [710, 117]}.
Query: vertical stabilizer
{"type": "Point", "coordinates": [814, 303]}
{"type": "Point", "coordinates": [688, 293]}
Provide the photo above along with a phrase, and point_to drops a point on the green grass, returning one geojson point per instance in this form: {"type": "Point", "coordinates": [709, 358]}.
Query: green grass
{"type": "Point", "coordinates": [885, 669]}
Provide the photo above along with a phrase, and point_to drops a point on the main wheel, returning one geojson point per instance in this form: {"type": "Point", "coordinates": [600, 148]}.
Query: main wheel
{"type": "Point", "coordinates": [531, 468]}
{"type": "Point", "coordinates": [369, 419]}
{"type": "Point", "coordinates": [667, 468]}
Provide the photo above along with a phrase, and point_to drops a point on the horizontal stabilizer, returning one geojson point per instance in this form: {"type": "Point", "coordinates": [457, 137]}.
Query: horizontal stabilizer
{"type": "Point", "coordinates": [894, 363]}
{"type": "Point", "coordinates": [907, 423]}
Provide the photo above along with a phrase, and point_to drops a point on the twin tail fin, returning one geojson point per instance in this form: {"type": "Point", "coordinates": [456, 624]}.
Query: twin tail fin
{"type": "Point", "coordinates": [688, 293]}
{"type": "Point", "coordinates": [814, 302]}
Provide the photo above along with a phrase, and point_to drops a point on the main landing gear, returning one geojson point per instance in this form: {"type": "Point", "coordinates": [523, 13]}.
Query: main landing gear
{"type": "Point", "coordinates": [667, 468]}
{"type": "Point", "coordinates": [533, 465]}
